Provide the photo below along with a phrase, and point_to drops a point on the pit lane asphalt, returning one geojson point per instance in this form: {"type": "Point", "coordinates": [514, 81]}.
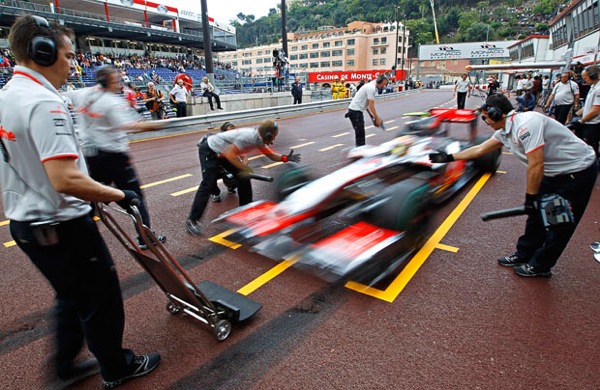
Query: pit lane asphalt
{"type": "Point", "coordinates": [460, 322]}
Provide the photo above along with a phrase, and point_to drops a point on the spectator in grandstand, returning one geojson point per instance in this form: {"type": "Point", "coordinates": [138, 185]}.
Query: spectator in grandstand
{"type": "Point", "coordinates": [105, 121]}
{"type": "Point", "coordinates": [462, 90]}
{"type": "Point", "coordinates": [565, 96]}
{"type": "Point", "coordinates": [209, 91]}
{"type": "Point", "coordinates": [224, 149]}
{"type": "Point", "coordinates": [129, 94]}
{"type": "Point", "coordinates": [154, 100]}
{"type": "Point", "coordinates": [179, 95]}
{"type": "Point", "coordinates": [297, 91]}
{"type": "Point", "coordinates": [46, 193]}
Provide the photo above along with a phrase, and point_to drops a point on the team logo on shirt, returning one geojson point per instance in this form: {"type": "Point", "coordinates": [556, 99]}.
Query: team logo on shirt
{"type": "Point", "coordinates": [60, 122]}
{"type": "Point", "coordinates": [524, 134]}
{"type": "Point", "coordinates": [5, 134]}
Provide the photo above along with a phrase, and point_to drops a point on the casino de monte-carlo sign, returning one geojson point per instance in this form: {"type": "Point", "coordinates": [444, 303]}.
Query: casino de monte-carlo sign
{"type": "Point", "coordinates": [469, 50]}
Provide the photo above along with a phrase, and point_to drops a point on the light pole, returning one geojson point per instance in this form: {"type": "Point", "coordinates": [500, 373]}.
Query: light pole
{"type": "Point", "coordinates": [395, 67]}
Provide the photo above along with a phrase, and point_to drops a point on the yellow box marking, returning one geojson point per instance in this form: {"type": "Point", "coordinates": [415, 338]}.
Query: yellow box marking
{"type": "Point", "coordinates": [272, 165]}
{"type": "Point", "coordinates": [395, 288]}
{"type": "Point", "coordinates": [186, 191]}
{"type": "Point", "coordinates": [302, 145]}
{"type": "Point", "coordinates": [220, 239]}
{"type": "Point", "coordinates": [340, 135]}
{"type": "Point", "coordinates": [267, 276]}
{"type": "Point", "coordinates": [156, 183]}
{"type": "Point", "coordinates": [9, 244]}
{"type": "Point", "coordinates": [448, 248]}
{"type": "Point", "coordinates": [4, 223]}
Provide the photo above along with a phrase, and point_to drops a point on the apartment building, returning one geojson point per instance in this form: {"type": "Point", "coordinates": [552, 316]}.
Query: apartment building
{"type": "Point", "coordinates": [358, 46]}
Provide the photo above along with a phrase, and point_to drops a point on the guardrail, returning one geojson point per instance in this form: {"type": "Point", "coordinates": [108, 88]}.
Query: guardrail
{"type": "Point", "coordinates": [199, 123]}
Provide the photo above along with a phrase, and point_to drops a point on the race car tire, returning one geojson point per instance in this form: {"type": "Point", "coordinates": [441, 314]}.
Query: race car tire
{"type": "Point", "coordinates": [292, 178]}
{"type": "Point", "coordinates": [406, 208]}
{"type": "Point", "coordinates": [489, 162]}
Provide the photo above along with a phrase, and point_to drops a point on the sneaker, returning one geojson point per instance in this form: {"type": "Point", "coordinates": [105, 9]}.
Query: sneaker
{"type": "Point", "coordinates": [215, 198]}
{"type": "Point", "coordinates": [528, 270]}
{"type": "Point", "coordinates": [142, 245]}
{"type": "Point", "coordinates": [142, 365]}
{"type": "Point", "coordinates": [192, 227]}
{"type": "Point", "coordinates": [219, 108]}
{"type": "Point", "coordinates": [595, 246]}
{"type": "Point", "coordinates": [231, 190]}
{"type": "Point", "coordinates": [511, 260]}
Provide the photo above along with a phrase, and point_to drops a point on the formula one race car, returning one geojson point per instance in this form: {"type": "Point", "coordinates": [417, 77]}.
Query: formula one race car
{"type": "Point", "coordinates": [367, 218]}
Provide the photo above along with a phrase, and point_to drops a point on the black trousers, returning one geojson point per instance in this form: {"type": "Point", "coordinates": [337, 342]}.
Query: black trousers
{"type": "Point", "coordinates": [111, 167]}
{"type": "Point", "coordinates": [461, 98]}
{"type": "Point", "coordinates": [357, 119]}
{"type": "Point", "coordinates": [297, 99]}
{"type": "Point", "coordinates": [543, 248]}
{"type": "Point", "coordinates": [181, 109]}
{"type": "Point", "coordinates": [561, 112]}
{"type": "Point", "coordinates": [89, 305]}
{"type": "Point", "coordinates": [210, 165]}
{"type": "Point", "coordinates": [590, 134]}
{"type": "Point", "coordinates": [210, 96]}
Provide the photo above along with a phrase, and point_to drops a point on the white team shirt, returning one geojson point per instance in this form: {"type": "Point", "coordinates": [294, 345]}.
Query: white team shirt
{"type": "Point", "coordinates": [360, 102]}
{"type": "Point", "coordinates": [36, 127]}
{"type": "Point", "coordinates": [563, 151]}
{"type": "Point", "coordinates": [104, 119]}
{"type": "Point", "coordinates": [245, 139]}
{"type": "Point", "coordinates": [592, 99]}
{"type": "Point", "coordinates": [564, 93]}
{"type": "Point", "coordinates": [463, 85]}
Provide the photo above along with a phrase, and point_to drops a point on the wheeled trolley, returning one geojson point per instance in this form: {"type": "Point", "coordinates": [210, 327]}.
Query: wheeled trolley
{"type": "Point", "coordinates": [207, 302]}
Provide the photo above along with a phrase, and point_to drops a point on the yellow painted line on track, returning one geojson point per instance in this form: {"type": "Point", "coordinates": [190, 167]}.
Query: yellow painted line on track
{"type": "Point", "coordinates": [4, 223]}
{"type": "Point", "coordinates": [445, 247]}
{"type": "Point", "coordinates": [370, 135]}
{"type": "Point", "coordinates": [186, 191]}
{"type": "Point", "coordinates": [303, 145]}
{"type": "Point", "coordinates": [391, 128]}
{"type": "Point", "coordinates": [395, 288]}
{"type": "Point", "coordinates": [255, 157]}
{"type": "Point", "coordinates": [272, 165]}
{"type": "Point", "coordinates": [500, 171]}
{"type": "Point", "coordinates": [267, 276]}
{"type": "Point", "coordinates": [390, 121]}
{"type": "Point", "coordinates": [220, 239]}
{"type": "Point", "coordinates": [330, 147]}
{"type": "Point", "coordinates": [9, 244]}
{"type": "Point", "coordinates": [156, 183]}
{"type": "Point", "coordinates": [340, 135]}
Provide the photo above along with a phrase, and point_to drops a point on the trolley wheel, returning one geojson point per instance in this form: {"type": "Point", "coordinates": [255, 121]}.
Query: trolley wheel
{"type": "Point", "coordinates": [173, 308]}
{"type": "Point", "coordinates": [222, 329]}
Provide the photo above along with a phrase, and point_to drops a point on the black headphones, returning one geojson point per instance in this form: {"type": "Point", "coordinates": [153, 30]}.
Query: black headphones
{"type": "Point", "coordinates": [494, 113]}
{"type": "Point", "coordinates": [42, 49]}
{"type": "Point", "coordinates": [592, 72]}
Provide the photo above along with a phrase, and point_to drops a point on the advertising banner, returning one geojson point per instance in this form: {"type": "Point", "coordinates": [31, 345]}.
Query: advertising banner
{"type": "Point", "coordinates": [352, 76]}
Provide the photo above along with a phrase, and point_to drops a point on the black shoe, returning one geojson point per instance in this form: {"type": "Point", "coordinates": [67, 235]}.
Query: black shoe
{"type": "Point", "coordinates": [231, 190]}
{"type": "Point", "coordinates": [511, 260]}
{"type": "Point", "coordinates": [192, 227]}
{"type": "Point", "coordinates": [142, 365]}
{"type": "Point", "coordinates": [142, 245]}
{"type": "Point", "coordinates": [528, 270]}
{"type": "Point", "coordinates": [212, 108]}
{"type": "Point", "coordinates": [74, 374]}
{"type": "Point", "coordinates": [219, 108]}
{"type": "Point", "coordinates": [215, 198]}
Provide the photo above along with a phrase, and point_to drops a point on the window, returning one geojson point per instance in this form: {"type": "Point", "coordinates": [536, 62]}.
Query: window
{"type": "Point", "coordinates": [383, 50]}
{"type": "Point", "coordinates": [294, 57]}
{"type": "Point", "coordinates": [326, 44]}
{"type": "Point", "coordinates": [325, 64]}
{"type": "Point", "coordinates": [314, 54]}
{"type": "Point", "coordinates": [303, 56]}
{"type": "Point", "coordinates": [375, 50]}
{"type": "Point", "coordinates": [382, 61]}
{"type": "Point", "coordinates": [304, 47]}
{"type": "Point", "coordinates": [376, 41]}
{"type": "Point", "coordinates": [350, 42]}
{"type": "Point", "coordinates": [304, 65]}
{"type": "Point", "coordinates": [337, 53]}
{"type": "Point", "coordinates": [350, 52]}
{"type": "Point", "coordinates": [337, 63]}
{"type": "Point", "coordinates": [259, 53]}
{"type": "Point", "coordinates": [338, 43]}
{"type": "Point", "coordinates": [375, 62]}
{"type": "Point", "coordinates": [350, 63]}
{"type": "Point", "coordinates": [383, 40]}
{"type": "Point", "coordinates": [325, 54]}
{"type": "Point", "coordinates": [314, 64]}
{"type": "Point", "coordinates": [259, 61]}
{"type": "Point", "coordinates": [315, 45]}
{"type": "Point", "coordinates": [294, 48]}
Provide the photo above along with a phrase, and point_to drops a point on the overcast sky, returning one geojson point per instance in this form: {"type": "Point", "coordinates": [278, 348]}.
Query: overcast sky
{"type": "Point", "coordinates": [225, 10]}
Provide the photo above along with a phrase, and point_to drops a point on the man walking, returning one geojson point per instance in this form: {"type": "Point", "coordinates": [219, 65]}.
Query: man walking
{"type": "Point", "coordinates": [364, 100]}
{"type": "Point", "coordinates": [462, 90]}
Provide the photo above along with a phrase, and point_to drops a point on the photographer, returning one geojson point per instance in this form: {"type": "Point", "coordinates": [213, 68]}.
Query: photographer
{"type": "Point", "coordinates": [46, 193]}
{"type": "Point", "coordinates": [224, 149]}
{"type": "Point", "coordinates": [154, 101]}
{"type": "Point", "coordinates": [557, 163]}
